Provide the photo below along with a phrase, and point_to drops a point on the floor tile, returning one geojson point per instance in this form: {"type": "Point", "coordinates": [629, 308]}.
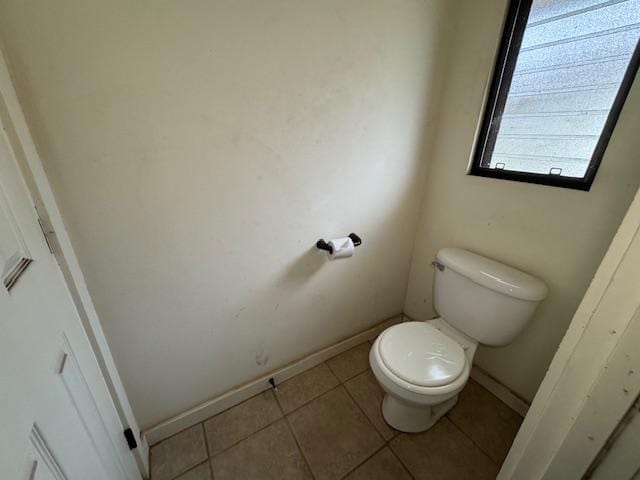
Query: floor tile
{"type": "Point", "coordinates": [237, 423]}
{"type": "Point", "coordinates": [486, 420]}
{"type": "Point", "coordinates": [178, 454]}
{"type": "Point", "coordinates": [271, 453]}
{"type": "Point", "coordinates": [382, 466]}
{"type": "Point", "coordinates": [368, 394]}
{"type": "Point", "coordinates": [333, 434]}
{"type": "Point", "coordinates": [443, 453]}
{"type": "Point", "coordinates": [202, 472]}
{"type": "Point", "coordinates": [350, 363]}
{"type": "Point", "coordinates": [302, 388]}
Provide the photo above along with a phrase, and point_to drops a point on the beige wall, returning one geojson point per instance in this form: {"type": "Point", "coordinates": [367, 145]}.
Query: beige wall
{"type": "Point", "coordinates": [557, 234]}
{"type": "Point", "coordinates": [198, 150]}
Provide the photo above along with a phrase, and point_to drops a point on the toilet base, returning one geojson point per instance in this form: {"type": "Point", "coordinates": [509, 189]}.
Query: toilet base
{"type": "Point", "coordinates": [412, 418]}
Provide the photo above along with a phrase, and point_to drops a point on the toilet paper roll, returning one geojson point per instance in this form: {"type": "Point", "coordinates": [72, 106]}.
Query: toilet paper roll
{"type": "Point", "coordinates": [342, 248]}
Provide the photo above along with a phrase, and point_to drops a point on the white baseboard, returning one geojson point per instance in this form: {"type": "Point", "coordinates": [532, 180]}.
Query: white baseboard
{"type": "Point", "coordinates": [499, 390]}
{"type": "Point", "coordinates": [222, 402]}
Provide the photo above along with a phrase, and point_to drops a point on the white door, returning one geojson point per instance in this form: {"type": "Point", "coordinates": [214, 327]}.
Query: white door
{"type": "Point", "coordinates": [57, 420]}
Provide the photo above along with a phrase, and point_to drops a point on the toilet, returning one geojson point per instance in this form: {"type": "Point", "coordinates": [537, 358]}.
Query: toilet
{"type": "Point", "coordinates": [422, 366]}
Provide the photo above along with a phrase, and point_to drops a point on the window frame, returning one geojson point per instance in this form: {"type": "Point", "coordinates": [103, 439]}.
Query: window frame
{"type": "Point", "coordinates": [511, 39]}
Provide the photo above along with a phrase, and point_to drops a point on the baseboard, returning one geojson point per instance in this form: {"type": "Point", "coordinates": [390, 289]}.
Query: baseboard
{"type": "Point", "coordinates": [222, 402]}
{"type": "Point", "coordinates": [499, 390]}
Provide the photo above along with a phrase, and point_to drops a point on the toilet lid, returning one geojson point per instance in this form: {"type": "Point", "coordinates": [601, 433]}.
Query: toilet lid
{"type": "Point", "coordinates": [420, 354]}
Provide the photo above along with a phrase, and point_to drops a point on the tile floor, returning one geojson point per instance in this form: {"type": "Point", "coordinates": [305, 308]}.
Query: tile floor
{"type": "Point", "coordinates": [326, 424]}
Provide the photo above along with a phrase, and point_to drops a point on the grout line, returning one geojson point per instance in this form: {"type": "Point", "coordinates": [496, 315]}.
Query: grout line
{"type": "Point", "coordinates": [363, 412]}
{"type": "Point", "coordinates": [190, 469]}
{"type": "Point", "coordinates": [313, 398]}
{"type": "Point", "coordinates": [406, 469]}
{"type": "Point", "coordinates": [199, 464]}
{"type": "Point", "coordinates": [245, 438]}
{"type": "Point", "coordinates": [366, 342]}
{"type": "Point", "coordinates": [279, 406]}
{"type": "Point", "coordinates": [364, 461]}
{"type": "Point", "coordinates": [235, 405]}
{"type": "Point", "coordinates": [209, 455]}
{"type": "Point", "coordinates": [461, 429]}
{"type": "Point", "coordinates": [174, 435]}
{"type": "Point", "coordinates": [206, 444]}
{"type": "Point", "coordinates": [295, 439]}
{"type": "Point", "coordinates": [340, 385]}
{"type": "Point", "coordinates": [353, 376]}
{"type": "Point", "coordinates": [260, 393]}
{"type": "Point", "coordinates": [395, 432]}
{"type": "Point", "coordinates": [472, 441]}
{"type": "Point", "coordinates": [282, 418]}
{"type": "Point", "coordinates": [386, 443]}
{"type": "Point", "coordinates": [284, 415]}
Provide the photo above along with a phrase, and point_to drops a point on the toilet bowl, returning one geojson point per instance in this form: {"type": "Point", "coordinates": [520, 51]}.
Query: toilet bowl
{"type": "Point", "coordinates": [422, 366]}
{"type": "Point", "coordinates": [422, 370]}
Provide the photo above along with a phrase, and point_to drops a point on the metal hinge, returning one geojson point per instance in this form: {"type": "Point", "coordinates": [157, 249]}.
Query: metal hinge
{"type": "Point", "coordinates": [130, 438]}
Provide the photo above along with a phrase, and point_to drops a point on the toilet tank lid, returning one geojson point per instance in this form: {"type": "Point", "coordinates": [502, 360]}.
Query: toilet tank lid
{"type": "Point", "coordinates": [493, 275]}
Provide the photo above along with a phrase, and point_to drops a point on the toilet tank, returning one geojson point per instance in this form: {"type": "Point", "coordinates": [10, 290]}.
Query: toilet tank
{"type": "Point", "coordinates": [485, 299]}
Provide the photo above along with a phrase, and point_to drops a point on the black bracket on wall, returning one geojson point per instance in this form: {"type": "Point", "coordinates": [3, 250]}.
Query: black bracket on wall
{"type": "Point", "coordinates": [322, 245]}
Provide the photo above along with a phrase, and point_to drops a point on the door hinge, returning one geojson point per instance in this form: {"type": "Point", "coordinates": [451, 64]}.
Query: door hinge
{"type": "Point", "coordinates": [130, 438]}
{"type": "Point", "coordinates": [45, 234]}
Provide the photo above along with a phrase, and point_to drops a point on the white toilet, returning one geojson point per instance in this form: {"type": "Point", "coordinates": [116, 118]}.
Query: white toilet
{"type": "Point", "coordinates": [422, 366]}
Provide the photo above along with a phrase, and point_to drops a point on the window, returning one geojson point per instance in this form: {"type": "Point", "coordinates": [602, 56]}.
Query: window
{"type": "Point", "coordinates": [562, 74]}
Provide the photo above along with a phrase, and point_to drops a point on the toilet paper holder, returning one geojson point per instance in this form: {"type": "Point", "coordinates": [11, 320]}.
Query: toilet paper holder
{"type": "Point", "coordinates": [322, 245]}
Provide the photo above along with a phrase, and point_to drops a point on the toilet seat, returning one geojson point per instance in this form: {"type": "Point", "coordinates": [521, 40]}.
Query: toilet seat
{"type": "Point", "coordinates": [412, 392]}
{"type": "Point", "coordinates": [421, 355]}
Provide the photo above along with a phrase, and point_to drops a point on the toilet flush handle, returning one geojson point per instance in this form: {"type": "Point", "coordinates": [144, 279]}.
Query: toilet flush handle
{"type": "Point", "coordinates": [438, 265]}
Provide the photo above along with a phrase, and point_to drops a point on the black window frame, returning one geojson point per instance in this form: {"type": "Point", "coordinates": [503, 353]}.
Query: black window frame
{"type": "Point", "coordinates": [513, 32]}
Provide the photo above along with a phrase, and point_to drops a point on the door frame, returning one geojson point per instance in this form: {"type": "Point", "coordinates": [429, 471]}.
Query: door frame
{"type": "Point", "coordinates": [12, 119]}
{"type": "Point", "coordinates": [594, 377]}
